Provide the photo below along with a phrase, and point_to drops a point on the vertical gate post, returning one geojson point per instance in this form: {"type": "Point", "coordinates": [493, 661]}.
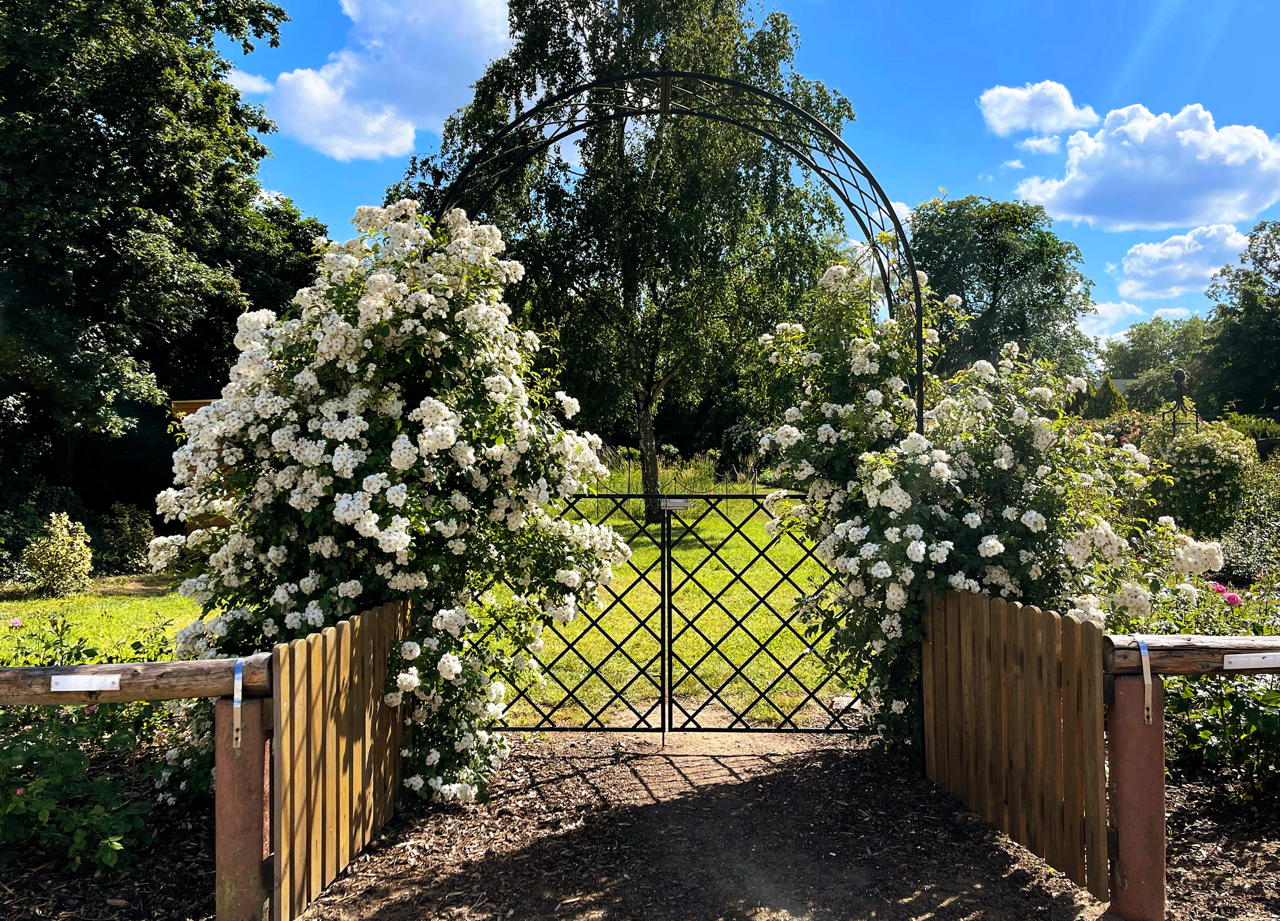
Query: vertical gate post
{"type": "Point", "coordinates": [242, 814]}
{"type": "Point", "coordinates": [1137, 800]}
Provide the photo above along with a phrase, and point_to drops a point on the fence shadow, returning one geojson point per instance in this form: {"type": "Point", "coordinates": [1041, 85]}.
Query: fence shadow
{"type": "Point", "coordinates": [651, 836]}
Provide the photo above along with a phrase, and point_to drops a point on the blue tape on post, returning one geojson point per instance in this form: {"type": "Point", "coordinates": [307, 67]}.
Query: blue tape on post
{"type": "Point", "coordinates": [237, 700]}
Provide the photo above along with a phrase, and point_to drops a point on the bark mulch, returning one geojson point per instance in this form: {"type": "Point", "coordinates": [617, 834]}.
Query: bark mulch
{"type": "Point", "coordinates": [606, 827]}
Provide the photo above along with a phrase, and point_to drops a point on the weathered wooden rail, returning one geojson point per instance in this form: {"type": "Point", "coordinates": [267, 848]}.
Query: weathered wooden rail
{"type": "Point", "coordinates": [1055, 734]}
{"type": "Point", "coordinates": [306, 756]}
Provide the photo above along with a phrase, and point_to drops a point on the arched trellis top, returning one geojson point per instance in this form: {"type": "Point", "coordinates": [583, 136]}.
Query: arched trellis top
{"type": "Point", "coordinates": [813, 145]}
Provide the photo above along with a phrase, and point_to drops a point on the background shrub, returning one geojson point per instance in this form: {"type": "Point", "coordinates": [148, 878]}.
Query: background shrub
{"type": "Point", "coordinates": [58, 562]}
{"type": "Point", "coordinates": [120, 546]}
{"type": "Point", "coordinates": [1208, 466]}
{"type": "Point", "coordinates": [1251, 543]}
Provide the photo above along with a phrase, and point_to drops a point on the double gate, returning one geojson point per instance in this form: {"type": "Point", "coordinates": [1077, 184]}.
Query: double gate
{"type": "Point", "coordinates": [699, 630]}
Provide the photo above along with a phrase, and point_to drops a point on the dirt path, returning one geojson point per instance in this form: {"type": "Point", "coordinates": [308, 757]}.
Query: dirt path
{"type": "Point", "coordinates": [734, 827]}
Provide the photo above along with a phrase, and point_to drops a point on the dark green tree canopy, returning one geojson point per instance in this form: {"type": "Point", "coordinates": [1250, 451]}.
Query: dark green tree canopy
{"type": "Point", "coordinates": [657, 247]}
{"type": "Point", "coordinates": [1019, 280]}
{"type": "Point", "coordinates": [1241, 356]}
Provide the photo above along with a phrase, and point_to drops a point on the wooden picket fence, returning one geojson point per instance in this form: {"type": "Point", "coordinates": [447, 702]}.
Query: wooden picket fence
{"type": "Point", "coordinates": [1014, 726]}
{"type": "Point", "coordinates": [335, 752]}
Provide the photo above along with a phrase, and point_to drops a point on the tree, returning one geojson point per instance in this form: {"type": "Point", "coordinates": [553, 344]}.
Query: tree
{"type": "Point", "coordinates": [1241, 354]}
{"type": "Point", "coordinates": [135, 230]}
{"type": "Point", "coordinates": [669, 244]}
{"type": "Point", "coordinates": [1153, 344]}
{"type": "Point", "coordinates": [1106, 401]}
{"type": "Point", "coordinates": [1019, 281]}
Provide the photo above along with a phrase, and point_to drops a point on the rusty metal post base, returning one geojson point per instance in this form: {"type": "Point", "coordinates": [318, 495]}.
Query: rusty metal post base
{"type": "Point", "coordinates": [1137, 800]}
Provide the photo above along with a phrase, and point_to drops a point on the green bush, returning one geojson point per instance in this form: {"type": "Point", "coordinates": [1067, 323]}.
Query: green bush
{"type": "Point", "coordinates": [1253, 426]}
{"type": "Point", "coordinates": [1208, 465]}
{"type": "Point", "coordinates": [58, 562]}
{"type": "Point", "coordinates": [120, 547]}
{"type": "Point", "coordinates": [1251, 543]}
{"type": "Point", "coordinates": [1105, 401]}
{"type": "Point", "coordinates": [77, 781]}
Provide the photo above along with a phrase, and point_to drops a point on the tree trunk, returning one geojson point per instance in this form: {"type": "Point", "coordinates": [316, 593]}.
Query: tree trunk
{"type": "Point", "coordinates": [649, 484]}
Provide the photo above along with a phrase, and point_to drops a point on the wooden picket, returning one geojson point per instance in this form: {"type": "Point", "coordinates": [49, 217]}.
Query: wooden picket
{"type": "Point", "coordinates": [1013, 721]}
{"type": "Point", "coordinates": [336, 756]}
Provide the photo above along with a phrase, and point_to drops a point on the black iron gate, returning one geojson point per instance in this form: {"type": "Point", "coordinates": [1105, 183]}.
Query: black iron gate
{"type": "Point", "coordinates": [700, 630]}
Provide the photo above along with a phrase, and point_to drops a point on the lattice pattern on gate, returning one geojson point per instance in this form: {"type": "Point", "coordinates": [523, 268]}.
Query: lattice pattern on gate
{"type": "Point", "coordinates": [698, 631]}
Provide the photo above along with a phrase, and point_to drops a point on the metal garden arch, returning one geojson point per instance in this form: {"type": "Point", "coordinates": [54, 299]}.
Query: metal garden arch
{"type": "Point", "coordinates": [764, 113]}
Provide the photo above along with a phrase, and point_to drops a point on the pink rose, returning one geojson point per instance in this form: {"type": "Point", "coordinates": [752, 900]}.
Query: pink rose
{"type": "Point", "coordinates": [15, 623]}
{"type": "Point", "coordinates": [19, 791]}
{"type": "Point", "coordinates": [1218, 587]}
{"type": "Point", "coordinates": [1232, 599]}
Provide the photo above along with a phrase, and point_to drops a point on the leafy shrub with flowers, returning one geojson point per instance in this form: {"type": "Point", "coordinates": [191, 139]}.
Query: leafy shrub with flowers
{"type": "Point", "coordinates": [1208, 468]}
{"type": "Point", "coordinates": [1003, 493]}
{"type": "Point", "coordinates": [388, 439]}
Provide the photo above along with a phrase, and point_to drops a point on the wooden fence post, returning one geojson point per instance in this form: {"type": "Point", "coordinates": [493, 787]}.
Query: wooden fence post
{"type": "Point", "coordinates": [1137, 800]}
{"type": "Point", "coordinates": [242, 815]}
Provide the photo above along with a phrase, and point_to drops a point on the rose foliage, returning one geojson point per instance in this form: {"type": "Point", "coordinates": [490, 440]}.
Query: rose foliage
{"type": "Point", "coordinates": [1003, 493]}
{"type": "Point", "coordinates": [387, 439]}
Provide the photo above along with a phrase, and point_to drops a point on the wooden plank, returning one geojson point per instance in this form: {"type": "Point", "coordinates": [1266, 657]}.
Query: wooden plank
{"type": "Point", "coordinates": [329, 706]}
{"type": "Point", "coordinates": [370, 713]}
{"type": "Point", "coordinates": [1019, 730]}
{"type": "Point", "coordinates": [299, 753]}
{"type": "Point", "coordinates": [359, 707]}
{"type": "Point", "coordinates": [1036, 753]}
{"type": "Point", "coordinates": [926, 689]}
{"type": "Point", "coordinates": [1051, 631]}
{"type": "Point", "coordinates": [241, 812]}
{"type": "Point", "coordinates": [382, 715]}
{"type": "Point", "coordinates": [1072, 748]}
{"type": "Point", "coordinates": [342, 707]}
{"type": "Point", "coordinates": [1174, 654]}
{"type": "Point", "coordinates": [281, 785]}
{"type": "Point", "coordinates": [137, 681]}
{"type": "Point", "coordinates": [955, 699]}
{"type": "Point", "coordinates": [979, 608]}
{"type": "Point", "coordinates": [999, 689]}
{"type": "Point", "coordinates": [315, 766]}
{"type": "Point", "coordinates": [966, 699]}
{"type": "Point", "coordinates": [940, 685]}
{"type": "Point", "coordinates": [400, 735]}
{"type": "Point", "coordinates": [1094, 760]}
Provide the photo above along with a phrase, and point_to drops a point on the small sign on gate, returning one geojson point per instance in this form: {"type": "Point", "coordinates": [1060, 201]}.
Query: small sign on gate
{"type": "Point", "coordinates": [673, 504]}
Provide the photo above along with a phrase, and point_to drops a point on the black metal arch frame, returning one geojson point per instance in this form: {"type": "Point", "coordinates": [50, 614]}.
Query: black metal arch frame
{"type": "Point", "coordinates": [764, 113]}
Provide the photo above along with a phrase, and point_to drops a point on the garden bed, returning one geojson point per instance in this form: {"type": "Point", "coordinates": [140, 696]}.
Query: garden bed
{"type": "Point", "coordinates": [761, 827]}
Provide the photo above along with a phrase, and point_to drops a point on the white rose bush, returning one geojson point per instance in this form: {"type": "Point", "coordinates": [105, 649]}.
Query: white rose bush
{"type": "Point", "coordinates": [388, 439]}
{"type": "Point", "coordinates": [1003, 493]}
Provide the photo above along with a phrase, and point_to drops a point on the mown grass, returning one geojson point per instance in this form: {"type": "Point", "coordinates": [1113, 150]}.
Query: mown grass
{"type": "Point", "coordinates": [116, 612]}
{"type": "Point", "coordinates": [734, 589]}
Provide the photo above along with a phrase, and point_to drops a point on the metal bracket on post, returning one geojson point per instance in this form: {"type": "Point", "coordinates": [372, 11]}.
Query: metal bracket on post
{"type": "Point", "coordinates": [237, 703]}
{"type": "Point", "coordinates": [1146, 681]}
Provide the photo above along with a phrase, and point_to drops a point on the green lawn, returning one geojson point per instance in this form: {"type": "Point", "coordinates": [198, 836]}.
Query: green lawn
{"type": "Point", "coordinates": [112, 615]}
{"type": "Point", "coordinates": [728, 600]}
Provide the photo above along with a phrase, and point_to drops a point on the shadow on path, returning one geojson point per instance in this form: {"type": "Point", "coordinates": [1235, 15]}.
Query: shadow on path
{"type": "Point", "coordinates": [590, 828]}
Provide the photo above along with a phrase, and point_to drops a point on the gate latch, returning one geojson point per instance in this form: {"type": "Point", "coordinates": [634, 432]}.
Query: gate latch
{"type": "Point", "coordinates": [1146, 681]}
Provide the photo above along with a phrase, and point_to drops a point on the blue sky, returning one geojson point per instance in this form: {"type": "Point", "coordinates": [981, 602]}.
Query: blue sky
{"type": "Point", "coordinates": [1150, 129]}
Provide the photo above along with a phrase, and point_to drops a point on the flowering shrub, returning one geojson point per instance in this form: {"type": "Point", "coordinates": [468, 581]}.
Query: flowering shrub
{"type": "Point", "coordinates": [1003, 494]}
{"type": "Point", "coordinates": [122, 541]}
{"type": "Point", "coordinates": [1207, 470]}
{"type": "Point", "coordinates": [58, 562]}
{"type": "Point", "coordinates": [389, 440]}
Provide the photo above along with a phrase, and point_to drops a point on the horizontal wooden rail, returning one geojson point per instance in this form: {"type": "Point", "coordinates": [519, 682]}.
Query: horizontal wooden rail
{"type": "Point", "coordinates": [1184, 654]}
{"type": "Point", "coordinates": [132, 681]}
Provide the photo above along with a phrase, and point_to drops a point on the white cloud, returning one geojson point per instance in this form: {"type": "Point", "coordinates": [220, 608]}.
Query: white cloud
{"type": "Point", "coordinates": [903, 210]}
{"type": "Point", "coordinates": [1049, 144]}
{"type": "Point", "coordinates": [1142, 171]}
{"type": "Point", "coordinates": [1013, 164]}
{"type": "Point", "coordinates": [1173, 313]}
{"type": "Point", "coordinates": [405, 66]}
{"type": "Point", "coordinates": [1045, 107]}
{"type": "Point", "coordinates": [249, 84]}
{"type": "Point", "coordinates": [1109, 319]}
{"type": "Point", "coordinates": [1182, 264]}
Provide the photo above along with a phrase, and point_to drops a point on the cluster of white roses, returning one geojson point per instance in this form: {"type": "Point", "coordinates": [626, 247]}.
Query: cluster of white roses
{"type": "Point", "coordinates": [380, 442]}
{"type": "Point", "coordinates": [1003, 494]}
